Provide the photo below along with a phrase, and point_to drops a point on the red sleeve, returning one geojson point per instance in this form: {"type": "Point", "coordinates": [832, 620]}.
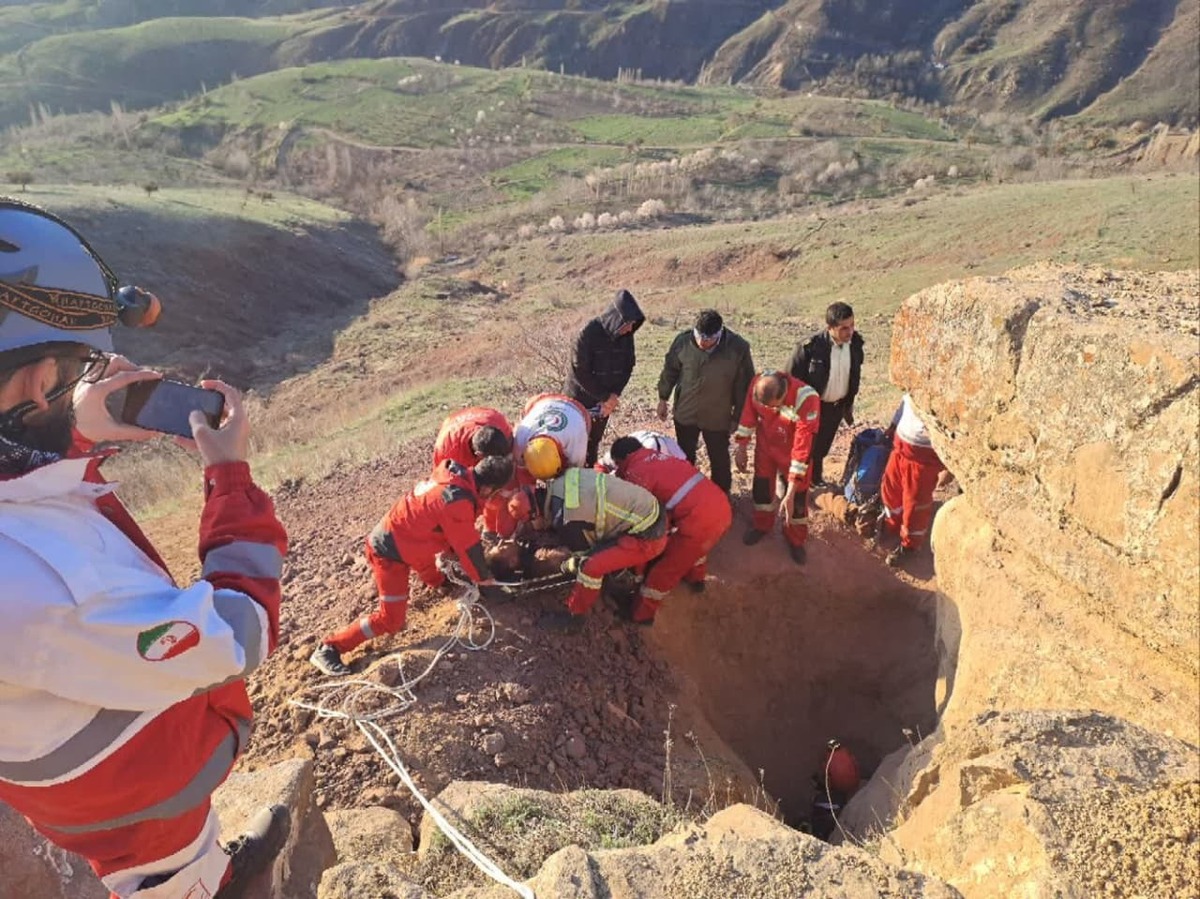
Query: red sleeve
{"type": "Point", "coordinates": [808, 420]}
{"type": "Point", "coordinates": [749, 420]}
{"type": "Point", "coordinates": [458, 526]}
{"type": "Point", "coordinates": [242, 542]}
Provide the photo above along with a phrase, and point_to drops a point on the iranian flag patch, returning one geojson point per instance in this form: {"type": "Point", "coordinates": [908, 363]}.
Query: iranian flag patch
{"type": "Point", "coordinates": [166, 641]}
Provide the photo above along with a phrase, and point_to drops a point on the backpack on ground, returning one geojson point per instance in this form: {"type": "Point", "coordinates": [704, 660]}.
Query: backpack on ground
{"type": "Point", "coordinates": [863, 474]}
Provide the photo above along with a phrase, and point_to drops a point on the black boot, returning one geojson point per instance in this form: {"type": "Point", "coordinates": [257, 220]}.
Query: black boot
{"type": "Point", "coordinates": [252, 853]}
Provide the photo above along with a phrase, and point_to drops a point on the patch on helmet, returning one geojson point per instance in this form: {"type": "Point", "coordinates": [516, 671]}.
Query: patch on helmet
{"type": "Point", "coordinates": [63, 309]}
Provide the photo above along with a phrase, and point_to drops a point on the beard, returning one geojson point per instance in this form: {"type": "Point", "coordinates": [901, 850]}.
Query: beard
{"type": "Point", "coordinates": [51, 431]}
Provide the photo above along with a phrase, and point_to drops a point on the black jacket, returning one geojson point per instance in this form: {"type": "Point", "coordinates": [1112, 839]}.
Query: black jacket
{"type": "Point", "coordinates": [810, 363]}
{"type": "Point", "coordinates": [602, 362]}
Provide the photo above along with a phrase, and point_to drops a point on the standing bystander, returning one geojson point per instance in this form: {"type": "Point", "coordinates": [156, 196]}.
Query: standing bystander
{"type": "Point", "coordinates": [708, 369]}
{"type": "Point", "coordinates": [830, 362]}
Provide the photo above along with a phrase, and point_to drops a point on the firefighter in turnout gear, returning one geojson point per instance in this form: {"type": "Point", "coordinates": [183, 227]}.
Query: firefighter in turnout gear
{"type": "Point", "coordinates": [699, 514]}
{"type": "Point", "coordinates": [121, 691]}
{"type": "Point", "coordinates": [437, 515]}
{"type": "Point", "coordinates": [622, 524]}
{"type": "Point", "coordinates": [782, 414]}
{"type": "Point", "coordinates": [552, 435]}
{"type": "Point", "coordinates": [914, 471]}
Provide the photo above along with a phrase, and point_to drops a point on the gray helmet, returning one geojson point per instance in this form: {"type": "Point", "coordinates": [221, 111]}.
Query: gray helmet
{"type": "Point", "coordinates": [53, 286]}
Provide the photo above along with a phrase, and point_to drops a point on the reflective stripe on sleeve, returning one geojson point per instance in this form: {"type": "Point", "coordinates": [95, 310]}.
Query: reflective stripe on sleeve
{"type": "Point", "coordinates": [245, 618]}
{"type": "Point", "coordinates": [592, 583]}
{"type": "Point", "coordinates": [678, 496]}
{"type": "Point", "coordinates": [799, 469]}
{"type": "Point", "coordinates": [744, 433]}
{"type": "Point", "coordinates": [258, 560]}
{"type": "Point", "coordinates": [85, 748]}
{"type": "Point", "coordinates": [196, 791]}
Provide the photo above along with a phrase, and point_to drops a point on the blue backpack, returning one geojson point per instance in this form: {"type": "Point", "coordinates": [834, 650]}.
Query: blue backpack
{"type": "Point", "coordinates": [864, 466]}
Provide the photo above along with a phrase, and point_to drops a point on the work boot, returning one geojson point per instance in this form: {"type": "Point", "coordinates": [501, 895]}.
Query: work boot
{"type": "Point", "coordinates": [799, 555]}
{"type": "Point", "coordinates": [899, 556]}
{"type": "Point", "coordinates": [752, 536]}
{"type": "Point", "coordinates": [328, 660]}
{"type": "Point", "coordinates": [560, 621]}
{"type": "Point", "coordinates": [252, 853]}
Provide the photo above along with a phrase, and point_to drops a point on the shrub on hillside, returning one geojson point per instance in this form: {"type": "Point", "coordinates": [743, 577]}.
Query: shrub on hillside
{"type": "Point", "coordinates": [652, 209]}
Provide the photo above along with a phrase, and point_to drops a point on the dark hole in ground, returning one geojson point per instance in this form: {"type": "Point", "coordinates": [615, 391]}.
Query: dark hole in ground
{"type": "Point", "coordinates": [783, 658]}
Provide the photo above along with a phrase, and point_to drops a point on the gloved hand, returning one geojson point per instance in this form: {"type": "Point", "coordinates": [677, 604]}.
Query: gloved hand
{"type": "Point", "coordinates": [571, 565]}
{"type": "Point", "coordinates": [741, 457]}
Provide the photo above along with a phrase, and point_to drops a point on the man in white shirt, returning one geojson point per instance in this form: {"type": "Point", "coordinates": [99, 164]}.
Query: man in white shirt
{"type": "Point", "coordinates": [830, 362]}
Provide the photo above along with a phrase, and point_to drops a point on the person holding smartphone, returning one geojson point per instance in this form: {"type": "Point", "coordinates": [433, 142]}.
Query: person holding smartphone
{"type": "Point", "coordinates": [122, 690]}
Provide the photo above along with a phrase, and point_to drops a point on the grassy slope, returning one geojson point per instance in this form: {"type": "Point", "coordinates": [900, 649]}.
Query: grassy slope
{"type": "Point", "coordinates": [397, 371]}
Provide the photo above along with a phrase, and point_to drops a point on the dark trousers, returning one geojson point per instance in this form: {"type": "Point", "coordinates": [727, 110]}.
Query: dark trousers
{"type": "Point", "coordinates": [831, 417]}
{"type": "Point", "coordinates": [595, 435]}
{"type": "Point", "coordinates": [717, 444]}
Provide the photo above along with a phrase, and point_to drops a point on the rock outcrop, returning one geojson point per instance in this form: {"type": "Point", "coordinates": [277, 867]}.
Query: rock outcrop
{"type": "Point", "coordinates": [30, 868]}
{"type": "Point", "coordinates": [1065, 400]}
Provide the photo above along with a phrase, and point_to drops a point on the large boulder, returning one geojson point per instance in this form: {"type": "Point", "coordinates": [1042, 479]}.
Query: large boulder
{"type": "Point", "coordinates": [739, 853]}
{"type": "Point", "coordinates": [1065, 400]}
{"type": "Point", "coordinates": [32, 866]}
{"type": "Point", "coordinates": [1057, 803]}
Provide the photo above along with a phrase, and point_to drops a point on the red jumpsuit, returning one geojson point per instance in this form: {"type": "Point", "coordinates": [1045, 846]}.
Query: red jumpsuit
{"type": "Point", "coordinates": [454, 443]}
{"type": "Point", "coordinates": [907, 489]}
{"type": "Point", "coordinates": [783, 438]}
{"type": "Point", "coordinates": [699, 513]}
{"type": "Point", "coordinates": [162, 665]}
{"type": "Point", "coordinates": [438, 514]}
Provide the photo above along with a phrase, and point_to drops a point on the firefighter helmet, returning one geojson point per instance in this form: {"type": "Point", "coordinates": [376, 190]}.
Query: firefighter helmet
{"type": "Point", "coordinates": [543, 458]}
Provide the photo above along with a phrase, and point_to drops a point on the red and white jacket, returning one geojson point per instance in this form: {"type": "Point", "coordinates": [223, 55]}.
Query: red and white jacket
{"type": "Point", "coordinates": [784, 432]}
{"type": "Point", "coordinates": [120, 691]}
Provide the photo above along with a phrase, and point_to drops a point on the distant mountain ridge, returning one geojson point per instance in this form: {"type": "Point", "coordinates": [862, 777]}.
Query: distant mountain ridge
{"type": "Point", "coordinates": [1115, 60]}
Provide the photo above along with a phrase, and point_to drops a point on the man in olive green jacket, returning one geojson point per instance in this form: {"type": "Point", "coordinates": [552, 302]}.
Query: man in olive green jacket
{"type": "Point", "coordinates": [709, 370]}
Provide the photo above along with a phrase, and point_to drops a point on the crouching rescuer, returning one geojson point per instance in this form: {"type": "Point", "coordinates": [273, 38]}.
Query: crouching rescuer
{"type": "Point", "coordinates": [121, 692]}
{"type": "Point", "coordinates": [437, 515]}
{"type": "Point", "coordinates": [699, 515]}
{"type": "Point", "coordinates": [623, 524]}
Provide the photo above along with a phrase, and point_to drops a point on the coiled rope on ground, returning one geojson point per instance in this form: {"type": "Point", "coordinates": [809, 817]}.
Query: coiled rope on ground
{"type": "Point", "coordinates": [358, 701]}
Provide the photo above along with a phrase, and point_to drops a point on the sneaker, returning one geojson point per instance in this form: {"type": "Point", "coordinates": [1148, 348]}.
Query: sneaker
{"type": "Point", "coordinates": [897, 556]}
{"type": "Point", "coordinates": [799, 555]}
{"type": "Point", "coordinates": [560, 621]}
{"type": "Point", "coordinates": [252, 853]}
{"type": "Point", "coordinates": [752, 536]}
{"type": "Point", "coordinates": [328, 660]}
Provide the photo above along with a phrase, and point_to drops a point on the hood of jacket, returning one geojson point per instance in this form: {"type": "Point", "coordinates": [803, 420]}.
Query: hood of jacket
{"type": "Point", "coordinates": [624, 308]}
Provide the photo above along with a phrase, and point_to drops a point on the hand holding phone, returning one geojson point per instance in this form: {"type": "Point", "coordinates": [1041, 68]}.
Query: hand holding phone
{"type": "Point", "coordinates": [165, 406]}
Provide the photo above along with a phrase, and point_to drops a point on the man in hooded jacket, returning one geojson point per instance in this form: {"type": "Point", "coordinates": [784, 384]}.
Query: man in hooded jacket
{"type": "Point", "coordinates": [602, 362]}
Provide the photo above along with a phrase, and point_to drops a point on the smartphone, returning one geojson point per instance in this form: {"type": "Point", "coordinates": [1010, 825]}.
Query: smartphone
{"type": "Point", "coordinates": [165, 405]}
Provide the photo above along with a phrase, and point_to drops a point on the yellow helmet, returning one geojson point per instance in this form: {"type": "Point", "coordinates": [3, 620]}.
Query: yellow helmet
{"type": "Point", "coordinates": [543, 458]}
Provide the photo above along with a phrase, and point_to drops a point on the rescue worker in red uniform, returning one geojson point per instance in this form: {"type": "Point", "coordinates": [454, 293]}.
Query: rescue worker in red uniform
{"type": "Point", "coordinates": [121, 692]}
{"type": "Point", "coordinates": [470, 435]}
{"type": "Point", "coordinates": [699, 515]}
{"type": "Point", "coordinates": [914, 471]}
{"type": "Point", "coordinates": [437, 515]}
{"type": "Point", "coordinates": [782, 414]}
{"type": "Point", "coordinates": [623, 525]}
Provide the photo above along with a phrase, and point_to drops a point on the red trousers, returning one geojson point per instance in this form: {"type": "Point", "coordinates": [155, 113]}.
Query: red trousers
{"type": "Point", "coordinates": [627, 552]}
{"type": "Point", "coordinates": [391, 579]}
{"type": "Point", "coordinates": [686, 555]}
{"type": "Point", "coordinates": [907, 489]}
{"type": "Point", "coordinates": [770, 464]}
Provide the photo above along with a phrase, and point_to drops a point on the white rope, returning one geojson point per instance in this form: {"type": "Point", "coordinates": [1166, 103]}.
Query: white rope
{"type": "Point", "coordinates": [346, 700]}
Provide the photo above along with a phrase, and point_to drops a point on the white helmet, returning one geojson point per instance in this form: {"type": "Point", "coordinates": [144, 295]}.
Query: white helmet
{"type": "Point", "coordinates": [55, 288]}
